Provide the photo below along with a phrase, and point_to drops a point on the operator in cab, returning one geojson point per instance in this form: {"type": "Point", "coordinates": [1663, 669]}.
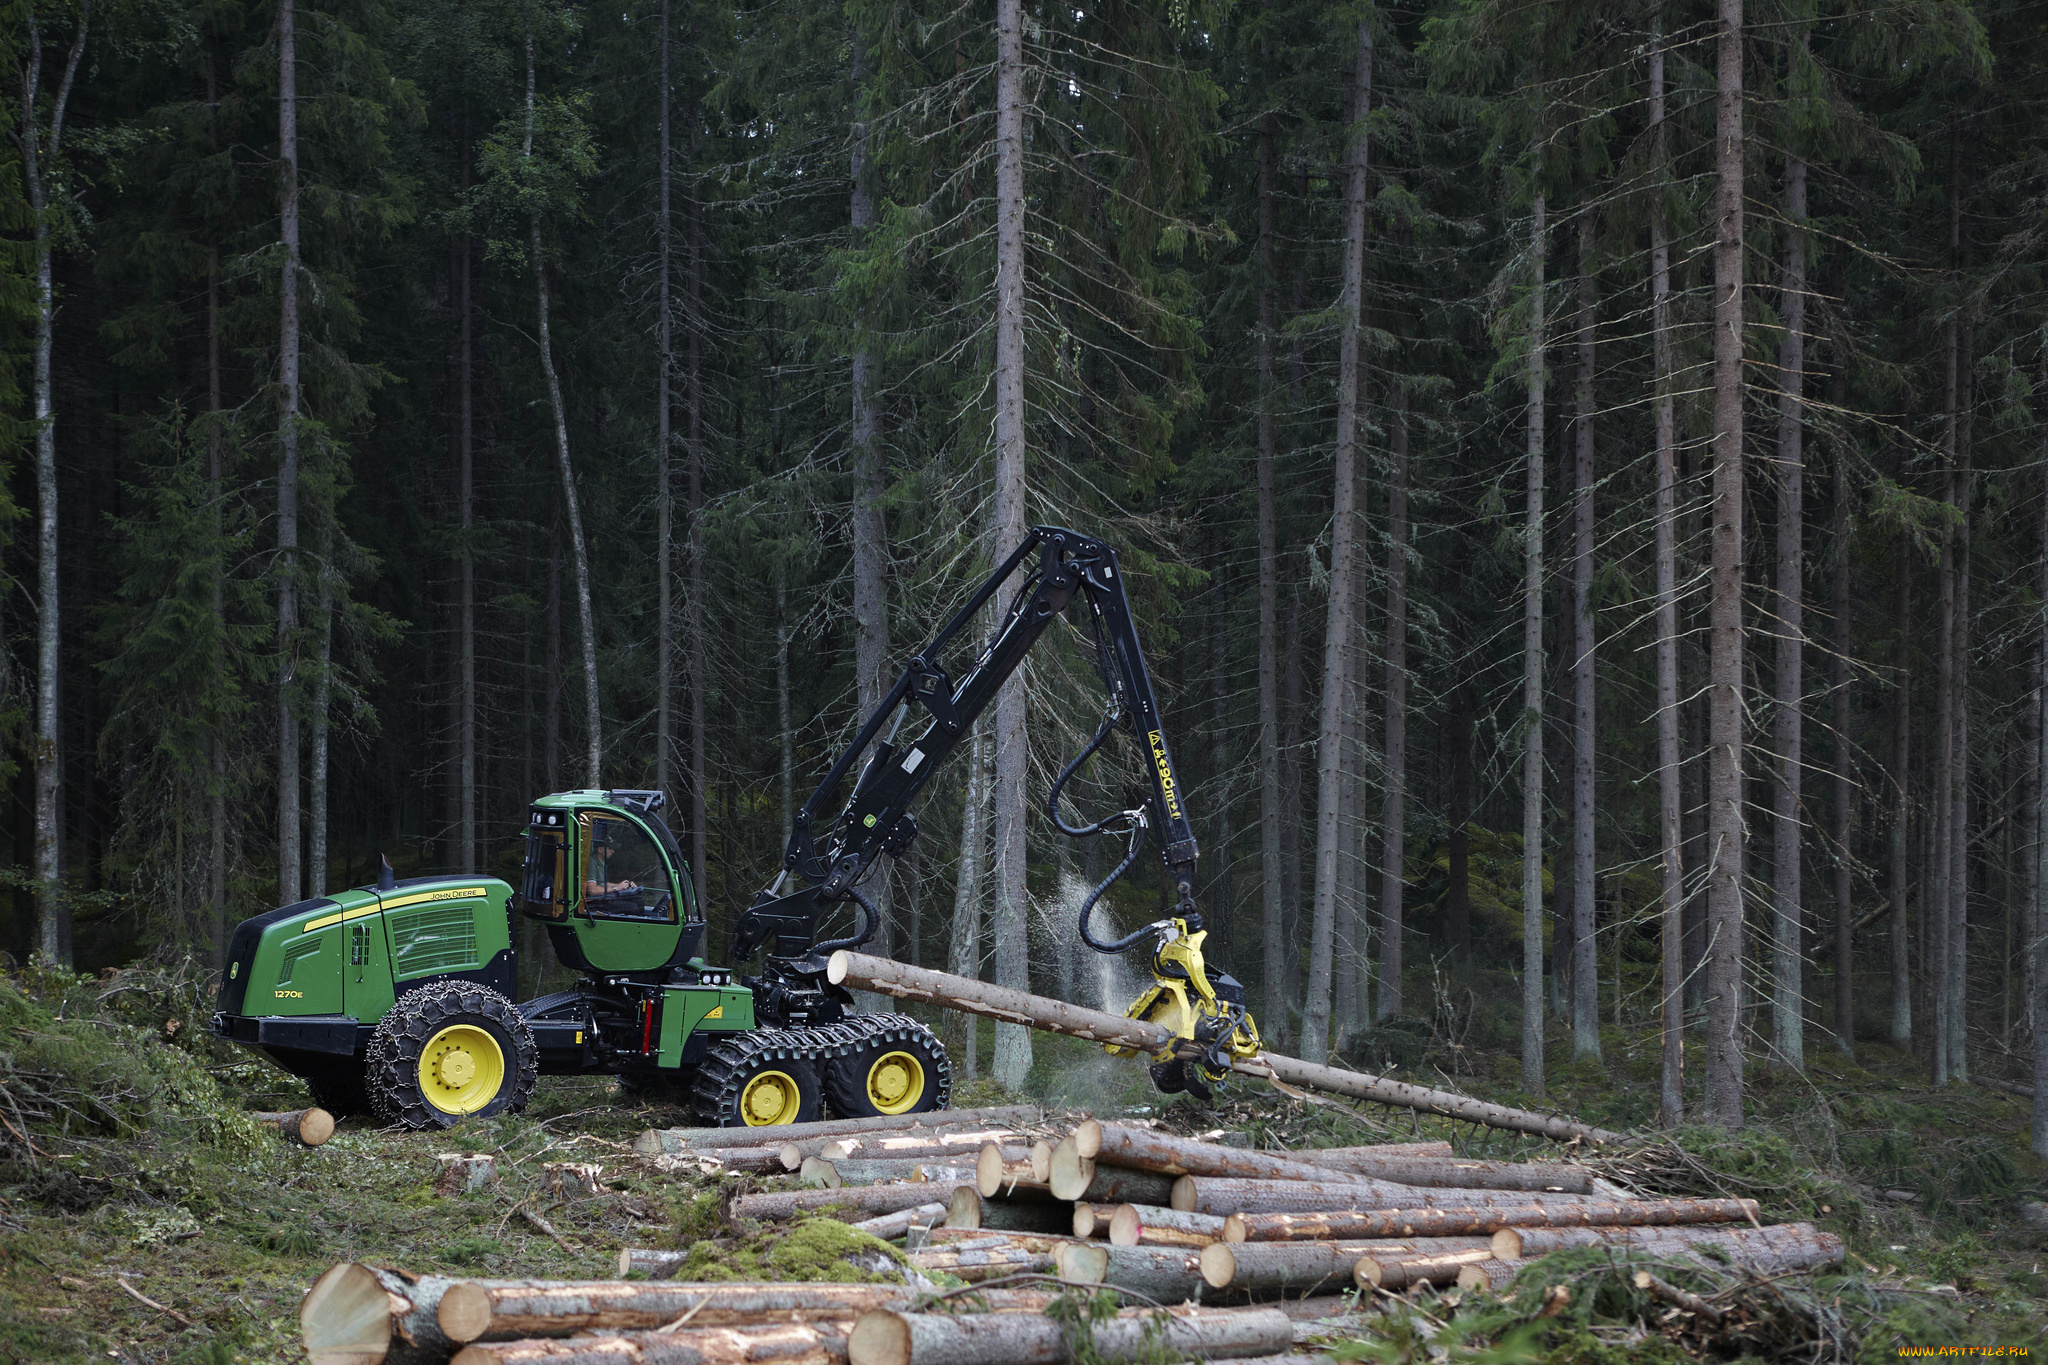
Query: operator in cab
{"type": "Point", "coordinates": [602, 848]}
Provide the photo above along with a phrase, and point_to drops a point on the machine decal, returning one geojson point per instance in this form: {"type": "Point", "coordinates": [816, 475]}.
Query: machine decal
{"type": "Point", "coordinates": [1165, 774]}
{"type": "Point", "coordinates": [397, 902]}
{"type": "Point", "coordinates": [718, 1013]}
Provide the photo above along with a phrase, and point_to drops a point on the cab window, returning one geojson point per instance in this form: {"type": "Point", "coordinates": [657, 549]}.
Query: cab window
{"type": "Point", "coordinates": [624, 876]}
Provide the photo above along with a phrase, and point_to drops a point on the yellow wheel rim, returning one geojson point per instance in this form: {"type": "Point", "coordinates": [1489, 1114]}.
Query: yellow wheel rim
{"type": "Point", "coordinates": [462, 1069]}
{"type": "Point", "coordinates": [895, 1083]}
{"type": "Point", "coordinates": [770, 1098]}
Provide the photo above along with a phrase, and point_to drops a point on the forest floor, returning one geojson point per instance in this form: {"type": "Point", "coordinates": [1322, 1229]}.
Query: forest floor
{"type": "Point", "coordinates": [166, 1228]}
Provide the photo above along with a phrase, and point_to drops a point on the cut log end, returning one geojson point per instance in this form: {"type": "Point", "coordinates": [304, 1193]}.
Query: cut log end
{"type": "Point", "coordinates": [345, 1318]}
{"type": "Point", "coordinates": [1082, 1264]}
{"type": "Point", "coordinates": [1219, 1265]}
{"type": "Point", "coordinates": [881, 1337]}
{"type": "Point", "coordinates": [465, 1311]}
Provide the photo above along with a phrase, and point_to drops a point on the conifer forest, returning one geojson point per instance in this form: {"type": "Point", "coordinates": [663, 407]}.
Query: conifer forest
{"type": "Point", "coordinates": [1581, 469]}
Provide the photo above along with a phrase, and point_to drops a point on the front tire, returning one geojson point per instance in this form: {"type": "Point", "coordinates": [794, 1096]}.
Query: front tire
{"type": "Point", "coordinates": [449, 1051]}
{"type": "Point", "coordinates": [905, 1070]}
{"type": "Point", "coordinates": [741, 1084]}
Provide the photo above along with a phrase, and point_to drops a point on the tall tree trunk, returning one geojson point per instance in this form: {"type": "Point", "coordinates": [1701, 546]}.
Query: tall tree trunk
{"type": "Point", "coordinates": [1585, 852]}
{"type": "Point", "coordinates": [1533, 679]}
{"type": "Point", "coordinates": [1218, 896]}
{"type": "Point", "coordinates": [1293, 718]}
{"type": "Point", "coordinates": [1725, 835]}
{"type": "Point", "coordinates": [1315, 1031]}
{"type": "Point", "coordinates": [1670, 792]}
{"type": "Point", "coordinates": [578, 553]}
{"type": "Point", "coordinates": [1272, 886]}
{"type": "Point", "coordinates": [964, 954]}
{"type": "Point", "coordinates": [1957, 983]}
{"type": "Point", "coordinates": [1900, 879]}
{"type": "Point", "coordinates": [217, 747]}
{"type": "Point", "coordinates": [1788, 997]}
{"type": "Point", "coordinates": [1458, 716]}
{"type": "Point", "coordinates": [1938, 910]}
{"type": "Point", "coordinates": [1393, 839]}
{"type": "Point", "coordinates": [289, 877]}
{"type": "Point", "coordinates": [664, 434]}
{"type": "Point", "coordinates": [465, 496]}
{"type": "Point", "coordinates": [551, 730]}
{"type": "Point", "coordinates": [2037, 947]}
{"type": "Point", "coordinates": [870, 527]}
{"type": "Point", "coordinates": [1013, 1041]}
{"type": "Point", "coordinates": [693, 624]}
{"type": "Point", "coordinates": [1838, 689]}
{"type": "Point", "coordinates": [786, 762]}
{"type": "Point", "coordinates": [323, 697]}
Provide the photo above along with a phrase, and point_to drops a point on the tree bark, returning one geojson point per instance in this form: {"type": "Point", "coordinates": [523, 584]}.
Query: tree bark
{"type": "Point", "coordinates": [1781, 1247]}
{"type": "Point", "coordinates": [963, 954]}
{"type": "Point", "coordinates": [900, 1338]}
{"type": "Point", "coordinates": [1725, 835]}
{"type": "Point", "coordinates": [1144, 1149]}
{"type": "Point", "coordinates": [1959, 844]}
{"type": "Point", "coordinates": [1484, 1218]}
{"type": "Point", "coordinates": [289, 871]}
{"type": "Point", "coordinates": [1225, 1195]}
{"type": "Point", "coordinates": [1150, 1225]}
{"type": "Point", "coordinates": [1300, 1268]}
{"type": "Point", "coordinates": [2037, 1004]}
{"type": "Point", "coordinates": [1272, 886]}
{"type": "Point", "coordinates": [1844, 755]}
{"type": "Point", "coordinates": [1397, 1270]}
{"type": "Point", "coordinates": [1338, 626]}
{"type": "Point", "coordinates": [1162, 1274]}
{"type": "Point", "coordinates": [465, 499]}
{"type": "Point", "coordinates": [1670, 792]}
{"type": "Point", "coordinates": [655, 1141]}
{"type": "Point", "coordinates": [323, 696]}
{"type": "Point", "coordinates": [1532, 678]}
{"type": "Point", "coordinates": [1394, 812]}
{"type": "Point", "coordinates": [579, 554]}
{"type": "Point", "coordinates": [1585, 853]}
{"type": "Point", "coordinates": [1902, 809]}
{"type": "Point", "coordinates": [217, 788]}
{"type": "Point", "coordinates": [1013, 1043]}
{"type": "Point", "coordinates": [1788, 996]}
{"type": "Point", "coordinates": [697, 661]}
{"type": "Point", "coordinates": [664, 451]}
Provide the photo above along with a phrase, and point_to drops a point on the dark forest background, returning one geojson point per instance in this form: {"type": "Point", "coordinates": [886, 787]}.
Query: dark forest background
{"type": "Point", "coordinates": [582, 396]}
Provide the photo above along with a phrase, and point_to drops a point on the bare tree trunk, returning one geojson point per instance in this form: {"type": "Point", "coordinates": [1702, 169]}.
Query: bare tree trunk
{"type": "Point", "coordinates": [1585, 853]}
{"type": "Point", "coordinates": [1315, 1032]}
{"type": "Point", "coordinates": [2037, 946]}
{"type": "Point", "coordinates": [1788, 998]}
{"type": "Point", "coordinates": [1533, 680]}
{"type": "Point", "coordinates": [870, 527]}
{"type": "Point", "coordinates": [217, 786]}
{"type": "Point", "coordinates": [1218, 896]}
{"type": "Point", "coordinates": [786, 731]}
{"type": "Point", "coordinates": [1938, 913]}
{"type": "Point", "coordinates": [1293, 715]}
{"type": "Point", "coordinates": [693, 624]}
{"type": "Point", "coordinates": [1724, 716]}
{"type": "Point", "coordinates": [1902, 810]}
{"type": "Point", "coordinates": [1457, 733]}
{"type": "Point", "coordinates": [323, 696]}
{"type": "Point", "coordinates": [1670, 794]}
{"type": "Point", "coordinates": [551, 730]}
{"type": "Point", "coordinates": [1013, 1041]}
{"type": "Point", "coordinates": [1272, 888]}
{"type": "Point", "coordinates": [1957, 983]}
{"type": "Point", "coordinates": [465, 496]}
{"type": "Point", "coordinates": [664, 444]}
{"type": "Point", "coordinates": [579, 555]}
{"type": "Point", "coordinates": [289, 872]}
{"type": "Point", "coordinates": [964, 955]}
{"type": "Point", "coordinates": [1845, 758]}
{"type": "Point", "coordinates": [1393, 844]}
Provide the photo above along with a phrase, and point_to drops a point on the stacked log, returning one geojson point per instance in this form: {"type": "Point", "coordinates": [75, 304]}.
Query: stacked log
{"type": "Point", "coordinates": [673, 1141]}
{"type": "Point", "coordinates": [307, 1127]}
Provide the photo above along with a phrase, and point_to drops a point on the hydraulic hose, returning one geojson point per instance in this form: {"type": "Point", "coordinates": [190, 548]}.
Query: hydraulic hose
{"type": "Point", "coordinates": [1052, 796]}
{"type": "Point", "coordinates": [871, 919]}
{"type": "Point", "coordinates": [1128, 941]}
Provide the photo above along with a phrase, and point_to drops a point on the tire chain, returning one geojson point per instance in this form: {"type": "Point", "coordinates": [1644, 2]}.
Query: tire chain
{"type": "Point", "coordinates": [726, 1064]}
{"type": "Point", "coordinates": [390, 1072]}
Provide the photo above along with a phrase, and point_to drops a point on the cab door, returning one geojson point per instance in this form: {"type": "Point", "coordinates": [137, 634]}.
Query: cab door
{"type": "Point", "coordinates": [626, 928]}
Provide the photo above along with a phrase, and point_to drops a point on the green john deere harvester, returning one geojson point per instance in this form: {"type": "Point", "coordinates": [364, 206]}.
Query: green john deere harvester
{"type": "Point", "coordinates": [397, 998]}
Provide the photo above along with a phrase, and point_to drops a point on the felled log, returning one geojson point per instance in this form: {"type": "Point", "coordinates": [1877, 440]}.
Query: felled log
{"type": "Point", "coordinates": [896, 1338]}
{"type": "Point", "coordinates": [1150, 1225]}
{"type": "Point", "coordinates": [654, 1141]}
{"type": "Point", "coordinates": [464, 1172]}
{"type": "Point", "coordinates": [649, 1263]}
{"type": "Point", "coordinates": [783, 1343]}
{"type": "Point", "coordinates": [307, 1127]}
{"type": "Point", "coordinates": [1458, 1173]}
{"type": "Point", "coordinates": [1224, 1195]}
{"type": "Point", "coordinates": [1300, 1266]}
{"type": "Point", "coordinates": [861, 1201]}
{"type": "Point", "coordinates": [905, 1146]}
{"type": "Point", "coordinates": [1160, 1274]}
{"type": "Point", "coordinates": [1783, 1246]}
{"type": "Point", "coordinates": [1487, 1274]}
{"type": "Point", "coordinates": [1452, 1222]}
{"type": "Point", "coordinates": [832, 1175]}
{"type": "Point", "coordinates": [1397, 1270]}
{"type": "Point", "coordinates": [508, 1310]}
{"type": "Point", "coordinates": [570, 1179]}
{"type": "Point", "coordinates": [967, 1209]}
{"type": "Point", "coordinates": [863, 972]}
{"type": "Point", "coordinates": [890, 1226]}
{"type": "Point", "coordinates": [1045, 1243]}
{"type": "Point", "coordinates": [1079, 1177]}
{"type": "Point", "coordinates": [361, 1315]}
{"type": "Point", "coordinates": [1143, 1149]}
{"type": "Point", "coordinates": [1093, 1220]}
{"type": "Point", "coordinates": [999, 1167]}
{"type": "Point", "coordinates": [763, 1160]}
{"type": "Point", "coordinates": [1418, 1149]}
{"type": "Point", "coordinates": [977, 1261]}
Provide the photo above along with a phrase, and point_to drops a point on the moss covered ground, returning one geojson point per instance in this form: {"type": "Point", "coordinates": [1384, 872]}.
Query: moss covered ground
{"type": "Point", "coordinates": [144, 1218]}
